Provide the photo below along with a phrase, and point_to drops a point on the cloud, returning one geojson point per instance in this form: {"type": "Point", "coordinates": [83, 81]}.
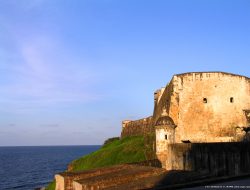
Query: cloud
{"type": "Point", "coordinates": [33, 59]}
{"type": "Point", "coordinates": [7, 126]}
{"type": "Point", "coordinates": [46, 74]}
{"type": "Point", "coordinates": [12, 125]}
{"type": "Point", "coordinates": [52, 125]}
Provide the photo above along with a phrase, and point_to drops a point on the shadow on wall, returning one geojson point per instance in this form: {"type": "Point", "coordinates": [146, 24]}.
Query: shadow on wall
{"type": "Point", "coordinates": [176, 179]}
{"type": "Point", "coordinates": [246, 137]}
{"type": "Point", "coordinates": [205, 161]}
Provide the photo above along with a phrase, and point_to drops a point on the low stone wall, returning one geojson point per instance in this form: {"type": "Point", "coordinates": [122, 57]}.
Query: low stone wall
{"type": "Point", "coordinates": [137, 127]}
{"type": "Point", "coordinates": [153, 163]}
{"type": "Point", "coordinates": [64, 181]}
{"type": "Point", "coordinates": [110, 177]}
{"type": "Point", "coordinates": [218, 159]}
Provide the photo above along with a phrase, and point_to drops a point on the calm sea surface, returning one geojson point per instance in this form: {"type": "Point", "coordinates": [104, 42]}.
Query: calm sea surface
{"type": "Point", "coordinates": [25, 168]}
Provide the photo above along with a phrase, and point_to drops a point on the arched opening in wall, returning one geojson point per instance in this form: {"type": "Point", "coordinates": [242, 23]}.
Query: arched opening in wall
{"type": "Point", "coordinates": [204, 100]}
{"type": "Point", "coordinates": [231, 100]}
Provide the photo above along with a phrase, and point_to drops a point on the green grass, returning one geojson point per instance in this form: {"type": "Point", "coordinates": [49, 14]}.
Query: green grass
{"type": "Point", "coordinates": [126, 150]}
{"type": "Point", "coordinates": [51, 186]}
{"type": "Point", "coordinates": [115, 151]}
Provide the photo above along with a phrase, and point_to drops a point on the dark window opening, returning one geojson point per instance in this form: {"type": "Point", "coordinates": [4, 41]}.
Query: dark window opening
{"type": "Point", "coordinates": [231, 99]}
{"type": "Point", "coordinates": [186, 141]}
{"type": "Point", "coordinates": [204, 100]}
{"type": "Point", "coordinates": [166, 137]}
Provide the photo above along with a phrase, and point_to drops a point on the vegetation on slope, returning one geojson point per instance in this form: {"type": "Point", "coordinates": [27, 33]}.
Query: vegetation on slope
{"type": "Point", "coordinates": [116, 151]}
{"type": "Point", "coordinates": [51, 186]}
{"type": "Point", "coordinates": [110, 140]}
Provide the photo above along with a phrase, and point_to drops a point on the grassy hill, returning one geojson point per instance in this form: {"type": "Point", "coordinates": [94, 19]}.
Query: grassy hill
{"type": "Point", "coordinates": [116, 151]}
{"type": "Point", "coordinates": [130, 149]}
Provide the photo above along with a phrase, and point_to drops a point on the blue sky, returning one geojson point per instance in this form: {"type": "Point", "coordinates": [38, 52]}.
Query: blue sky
{"type": "Point", "coordinates": [71, 71]}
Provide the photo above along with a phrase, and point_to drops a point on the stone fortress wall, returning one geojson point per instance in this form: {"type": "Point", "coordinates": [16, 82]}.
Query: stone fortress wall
{"type": "Point", "coordinates": [197, 108]}
{"type": "Point", "coordinates": [138, 127]}
{"type": "Point", "coordinates": [205, 107]}
{"type": "Point", "coordinates": [201, 123]}
{"type": "Point", "coordinates": [213, 159]}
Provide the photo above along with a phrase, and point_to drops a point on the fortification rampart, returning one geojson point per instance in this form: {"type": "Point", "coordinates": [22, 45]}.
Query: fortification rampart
{"type": "Point", "coordinates": [217, 159]}
{"type": "Point", "coordinates": [211, 106]}
{"type": "Point", "coordinates": [201, 123]}
{"type": "Point", "coordinates": [168, 102]}
{"type": "Point", "coordinates": [137, 127]}
{"type": "Point", "coordinates": [206, 107]}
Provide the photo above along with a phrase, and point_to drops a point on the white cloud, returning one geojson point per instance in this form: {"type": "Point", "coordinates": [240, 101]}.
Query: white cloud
{"type": "Point", "coordinates": [47, 74]}
{"type": "Point", "coordinates": [33, 59]}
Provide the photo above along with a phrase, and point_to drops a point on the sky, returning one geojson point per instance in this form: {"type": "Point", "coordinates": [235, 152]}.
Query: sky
{"type": "Point", "coordinates": [72, 70]}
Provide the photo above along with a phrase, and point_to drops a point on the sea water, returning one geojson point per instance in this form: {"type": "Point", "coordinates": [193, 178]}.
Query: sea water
{"type": "Point", "coordinates": [30, 167]}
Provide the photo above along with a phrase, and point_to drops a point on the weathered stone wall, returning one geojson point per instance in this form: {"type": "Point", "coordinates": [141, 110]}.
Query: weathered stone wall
{"type": "Point", "coordinates": [112, 177]}
{"type": "Point", "coordinates": [138, 127]}
{"type": "Point", "coordinates": [169, 102]}
{"type": "Point", "coordinates": [60, 184]}
{"type": "Point", "coordinates": [215, 120]}
{"type": "Point", "coordinates": [64, 181]}
{"type": "Point", "coordinates": [206, 107]}
{"type": "Point", "coordinates": [217, 159]}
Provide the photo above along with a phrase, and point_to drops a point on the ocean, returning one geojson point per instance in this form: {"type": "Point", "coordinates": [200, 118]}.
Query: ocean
{"type": "Point", "coordinates": [29, 167]}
